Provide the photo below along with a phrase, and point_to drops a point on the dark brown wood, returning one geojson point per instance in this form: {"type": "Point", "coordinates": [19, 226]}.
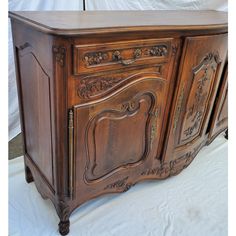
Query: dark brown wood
{"type": "Point", "coordinates": [101, 110]}
{"type": "Point", "coordinates": [200, 72]}
{"type": "Point", "coordinates": [219, 120]}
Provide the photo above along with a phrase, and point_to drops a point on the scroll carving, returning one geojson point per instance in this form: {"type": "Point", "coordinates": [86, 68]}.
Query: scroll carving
{"type": "Point", "coordinates": [130, 106]}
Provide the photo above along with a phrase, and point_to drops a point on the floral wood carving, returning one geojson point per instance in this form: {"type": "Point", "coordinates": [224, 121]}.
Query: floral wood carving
{"type": "Point", "coordinates": [174, 167]}
{"type": "Point", "coordinates": [114, 56]}
{"type": "Point", "coordinates": [95, 58]}
{"type": "Point", "coordinates": [59, 53]}
{"type": "Point", "coordinates": [120, 184]}
{"type": "Point", "coordinates": [200, 91]}
{"type": "Point", "coordinates": [91, 87]}
{"type": "Point", "coordinates": [159, 50]}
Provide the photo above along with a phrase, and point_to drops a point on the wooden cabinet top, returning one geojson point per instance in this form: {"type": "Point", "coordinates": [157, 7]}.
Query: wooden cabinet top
{"type": "Point", "coordinates": [78, 22]}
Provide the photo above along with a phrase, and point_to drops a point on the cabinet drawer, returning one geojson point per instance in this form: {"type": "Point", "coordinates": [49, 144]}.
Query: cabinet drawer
{"type": "Point", "coordinates": [109, 56]}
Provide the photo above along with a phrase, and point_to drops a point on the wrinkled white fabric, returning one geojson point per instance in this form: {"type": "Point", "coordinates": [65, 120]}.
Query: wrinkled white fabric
{"type": "Point", "coordinates": [192, 203]}
{"type": "Point", "coordinates": [20, 5]}
{"type": "Point", "coordinates": [220, 5]}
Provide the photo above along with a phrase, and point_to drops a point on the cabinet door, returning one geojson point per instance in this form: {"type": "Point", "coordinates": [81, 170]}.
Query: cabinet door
{"type": "Point", "coordinates": [118, 137]}
{"type": "Point", "coordinates": [200, 72]}
{"type": "Point", "coordinates": [220, 113]}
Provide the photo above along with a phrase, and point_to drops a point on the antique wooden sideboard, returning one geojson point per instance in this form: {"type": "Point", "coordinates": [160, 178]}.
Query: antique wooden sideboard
{"type": "Point", "coordinates": [108, 99]}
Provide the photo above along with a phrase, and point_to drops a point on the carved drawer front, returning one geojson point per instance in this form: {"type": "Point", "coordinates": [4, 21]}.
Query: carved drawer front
{"type": "Point", "coordinates": [99, 57]}
{"type": "Point", "coordinates": [118, 137]}
{"type": "Point", "coordinates": [200, 76]}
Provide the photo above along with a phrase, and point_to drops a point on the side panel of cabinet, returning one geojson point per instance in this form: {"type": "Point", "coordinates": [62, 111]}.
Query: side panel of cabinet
{"type": "Point", "coordinates": [34, 82]}
{"type": "Point", "coordinates": [220, 114]}
{"type": "Point", "coordinates": [36, 104]}
{"type": "Point", "coordinates": [200, 72]}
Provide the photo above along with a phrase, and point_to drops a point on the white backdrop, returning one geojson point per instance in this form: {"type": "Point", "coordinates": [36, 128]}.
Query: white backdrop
{"type": "Point", "coordinates": [26, 5]}
{"type": "Point", "coordinates": [20, 5]}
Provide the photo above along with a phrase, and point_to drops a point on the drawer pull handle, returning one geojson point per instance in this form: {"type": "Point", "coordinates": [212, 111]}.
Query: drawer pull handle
{"type": "Point", "coordinates": [117, 57]}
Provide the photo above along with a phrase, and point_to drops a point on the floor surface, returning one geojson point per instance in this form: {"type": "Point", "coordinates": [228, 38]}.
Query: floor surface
{"type": "Point", "coordinates": [192, 203]}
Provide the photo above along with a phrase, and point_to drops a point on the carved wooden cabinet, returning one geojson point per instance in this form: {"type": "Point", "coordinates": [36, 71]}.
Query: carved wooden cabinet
{"type": "Point", "coordinates": [108, 99]}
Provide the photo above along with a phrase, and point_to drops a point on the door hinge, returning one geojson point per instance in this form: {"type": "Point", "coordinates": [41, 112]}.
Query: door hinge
{"type": "Point", "coordinates": [71, 152]}
{"type": "Point", "coordinates": [153, 135]}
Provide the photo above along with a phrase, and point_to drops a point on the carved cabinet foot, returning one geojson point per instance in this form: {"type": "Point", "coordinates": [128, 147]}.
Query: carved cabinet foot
{"type": "Point", "coordinates": [64, 214]}
{"type": "Point", "coordinates": [64, 227]}
{"type": "Point", "coordinates": [226, 134]}
{"type": "Point", "coordinates": [28, 175]}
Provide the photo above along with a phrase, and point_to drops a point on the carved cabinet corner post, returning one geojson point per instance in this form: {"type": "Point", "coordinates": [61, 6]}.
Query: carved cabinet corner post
{"type": "Point", "coordinates": [104, 108]}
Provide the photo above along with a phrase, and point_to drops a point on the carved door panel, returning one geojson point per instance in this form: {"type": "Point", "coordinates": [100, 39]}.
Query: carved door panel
{"type": "Point", "coordinates": [201, 68]}
{"type": "Point", "coordinates": [220, 113]}
{"type": "Point", "coordinates": [117, 137]}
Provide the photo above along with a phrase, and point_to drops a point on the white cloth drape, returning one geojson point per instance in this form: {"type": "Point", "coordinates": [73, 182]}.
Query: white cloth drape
{"type": "Point", "coordinates": [24, 5]}
{"type": "Point", "coordinates": [193, 203]}
{"type": "Point", "coordinates": [20, 5]}
{"type": "Point", "coordinates": [220, 5]}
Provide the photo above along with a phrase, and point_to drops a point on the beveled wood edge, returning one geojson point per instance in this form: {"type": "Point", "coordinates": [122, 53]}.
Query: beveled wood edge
{"type": "Point", "coordinates": [116, 29]}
